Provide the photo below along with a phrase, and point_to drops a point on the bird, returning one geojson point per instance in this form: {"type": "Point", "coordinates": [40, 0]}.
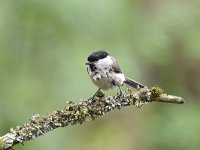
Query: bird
{"type": "Point", "coordinates": [106, 74]}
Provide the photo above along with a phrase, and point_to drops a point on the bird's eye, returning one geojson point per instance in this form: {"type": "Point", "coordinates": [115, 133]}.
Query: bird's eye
{"type": "Point", "coordinates": [92, 67]}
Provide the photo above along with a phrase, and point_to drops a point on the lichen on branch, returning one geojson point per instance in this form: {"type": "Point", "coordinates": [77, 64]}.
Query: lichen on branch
{"type": "Point", "coordinates": [84, 111]}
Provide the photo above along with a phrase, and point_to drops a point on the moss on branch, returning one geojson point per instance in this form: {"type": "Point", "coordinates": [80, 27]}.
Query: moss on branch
{"type": "Point", "coordinates": [86, 110]}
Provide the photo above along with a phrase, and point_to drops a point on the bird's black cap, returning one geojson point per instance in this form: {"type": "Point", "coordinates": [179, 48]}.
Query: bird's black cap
{"type": "Point", "coordinates": [95, 56]}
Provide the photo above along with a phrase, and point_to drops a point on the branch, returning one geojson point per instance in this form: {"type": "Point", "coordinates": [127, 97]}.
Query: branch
{"type": "Point", "coordinates": [86, 110]}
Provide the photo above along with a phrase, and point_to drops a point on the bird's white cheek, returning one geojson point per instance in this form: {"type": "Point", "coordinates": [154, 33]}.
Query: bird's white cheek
{"type": "Point", "coordinates": [105, 62]}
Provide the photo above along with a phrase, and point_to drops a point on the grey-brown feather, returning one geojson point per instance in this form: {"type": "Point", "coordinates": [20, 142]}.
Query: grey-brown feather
{"type": "Point", "coordinates": [115, 66]}
{"type": "Point", "coordinates": [133, 83]}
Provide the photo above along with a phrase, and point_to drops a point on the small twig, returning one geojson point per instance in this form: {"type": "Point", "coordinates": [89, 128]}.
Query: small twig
{"type": "Point", "coordinates": [86, 110]}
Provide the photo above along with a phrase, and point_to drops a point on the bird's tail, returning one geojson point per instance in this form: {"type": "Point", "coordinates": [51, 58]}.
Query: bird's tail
{"type": "Point", "coordinates": [133, 83]}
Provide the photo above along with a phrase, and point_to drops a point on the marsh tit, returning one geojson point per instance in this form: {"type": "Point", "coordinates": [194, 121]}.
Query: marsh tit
{"type": "Point", "coordinates": [105, 73]}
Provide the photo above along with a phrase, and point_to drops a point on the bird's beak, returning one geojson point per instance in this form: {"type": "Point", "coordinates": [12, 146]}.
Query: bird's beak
{"type": "Point", "coordinates": [88, 63]}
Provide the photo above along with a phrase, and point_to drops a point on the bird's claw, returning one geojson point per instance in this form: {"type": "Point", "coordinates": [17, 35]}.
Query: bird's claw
{"type": "Point", "coordinates": [121, 94]}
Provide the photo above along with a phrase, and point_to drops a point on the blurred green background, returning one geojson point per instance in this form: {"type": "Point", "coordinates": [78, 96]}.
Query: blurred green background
{"type": "Point", "coordinates": [44, 45]}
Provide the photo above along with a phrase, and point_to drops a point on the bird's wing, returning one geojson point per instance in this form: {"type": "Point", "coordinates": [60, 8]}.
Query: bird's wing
{"type": "Point", "coordinates": [115, 66]}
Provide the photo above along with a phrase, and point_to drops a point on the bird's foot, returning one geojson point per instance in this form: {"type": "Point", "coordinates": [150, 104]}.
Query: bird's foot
{"type": "Point", "coordinates": [120, 94]}
{"type": "Point", "coordinates": [98, 94]}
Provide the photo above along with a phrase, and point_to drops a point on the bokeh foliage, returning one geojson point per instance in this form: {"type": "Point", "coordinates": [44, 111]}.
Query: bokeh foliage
{"type": "Point", "coordinates": [44, 45]}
